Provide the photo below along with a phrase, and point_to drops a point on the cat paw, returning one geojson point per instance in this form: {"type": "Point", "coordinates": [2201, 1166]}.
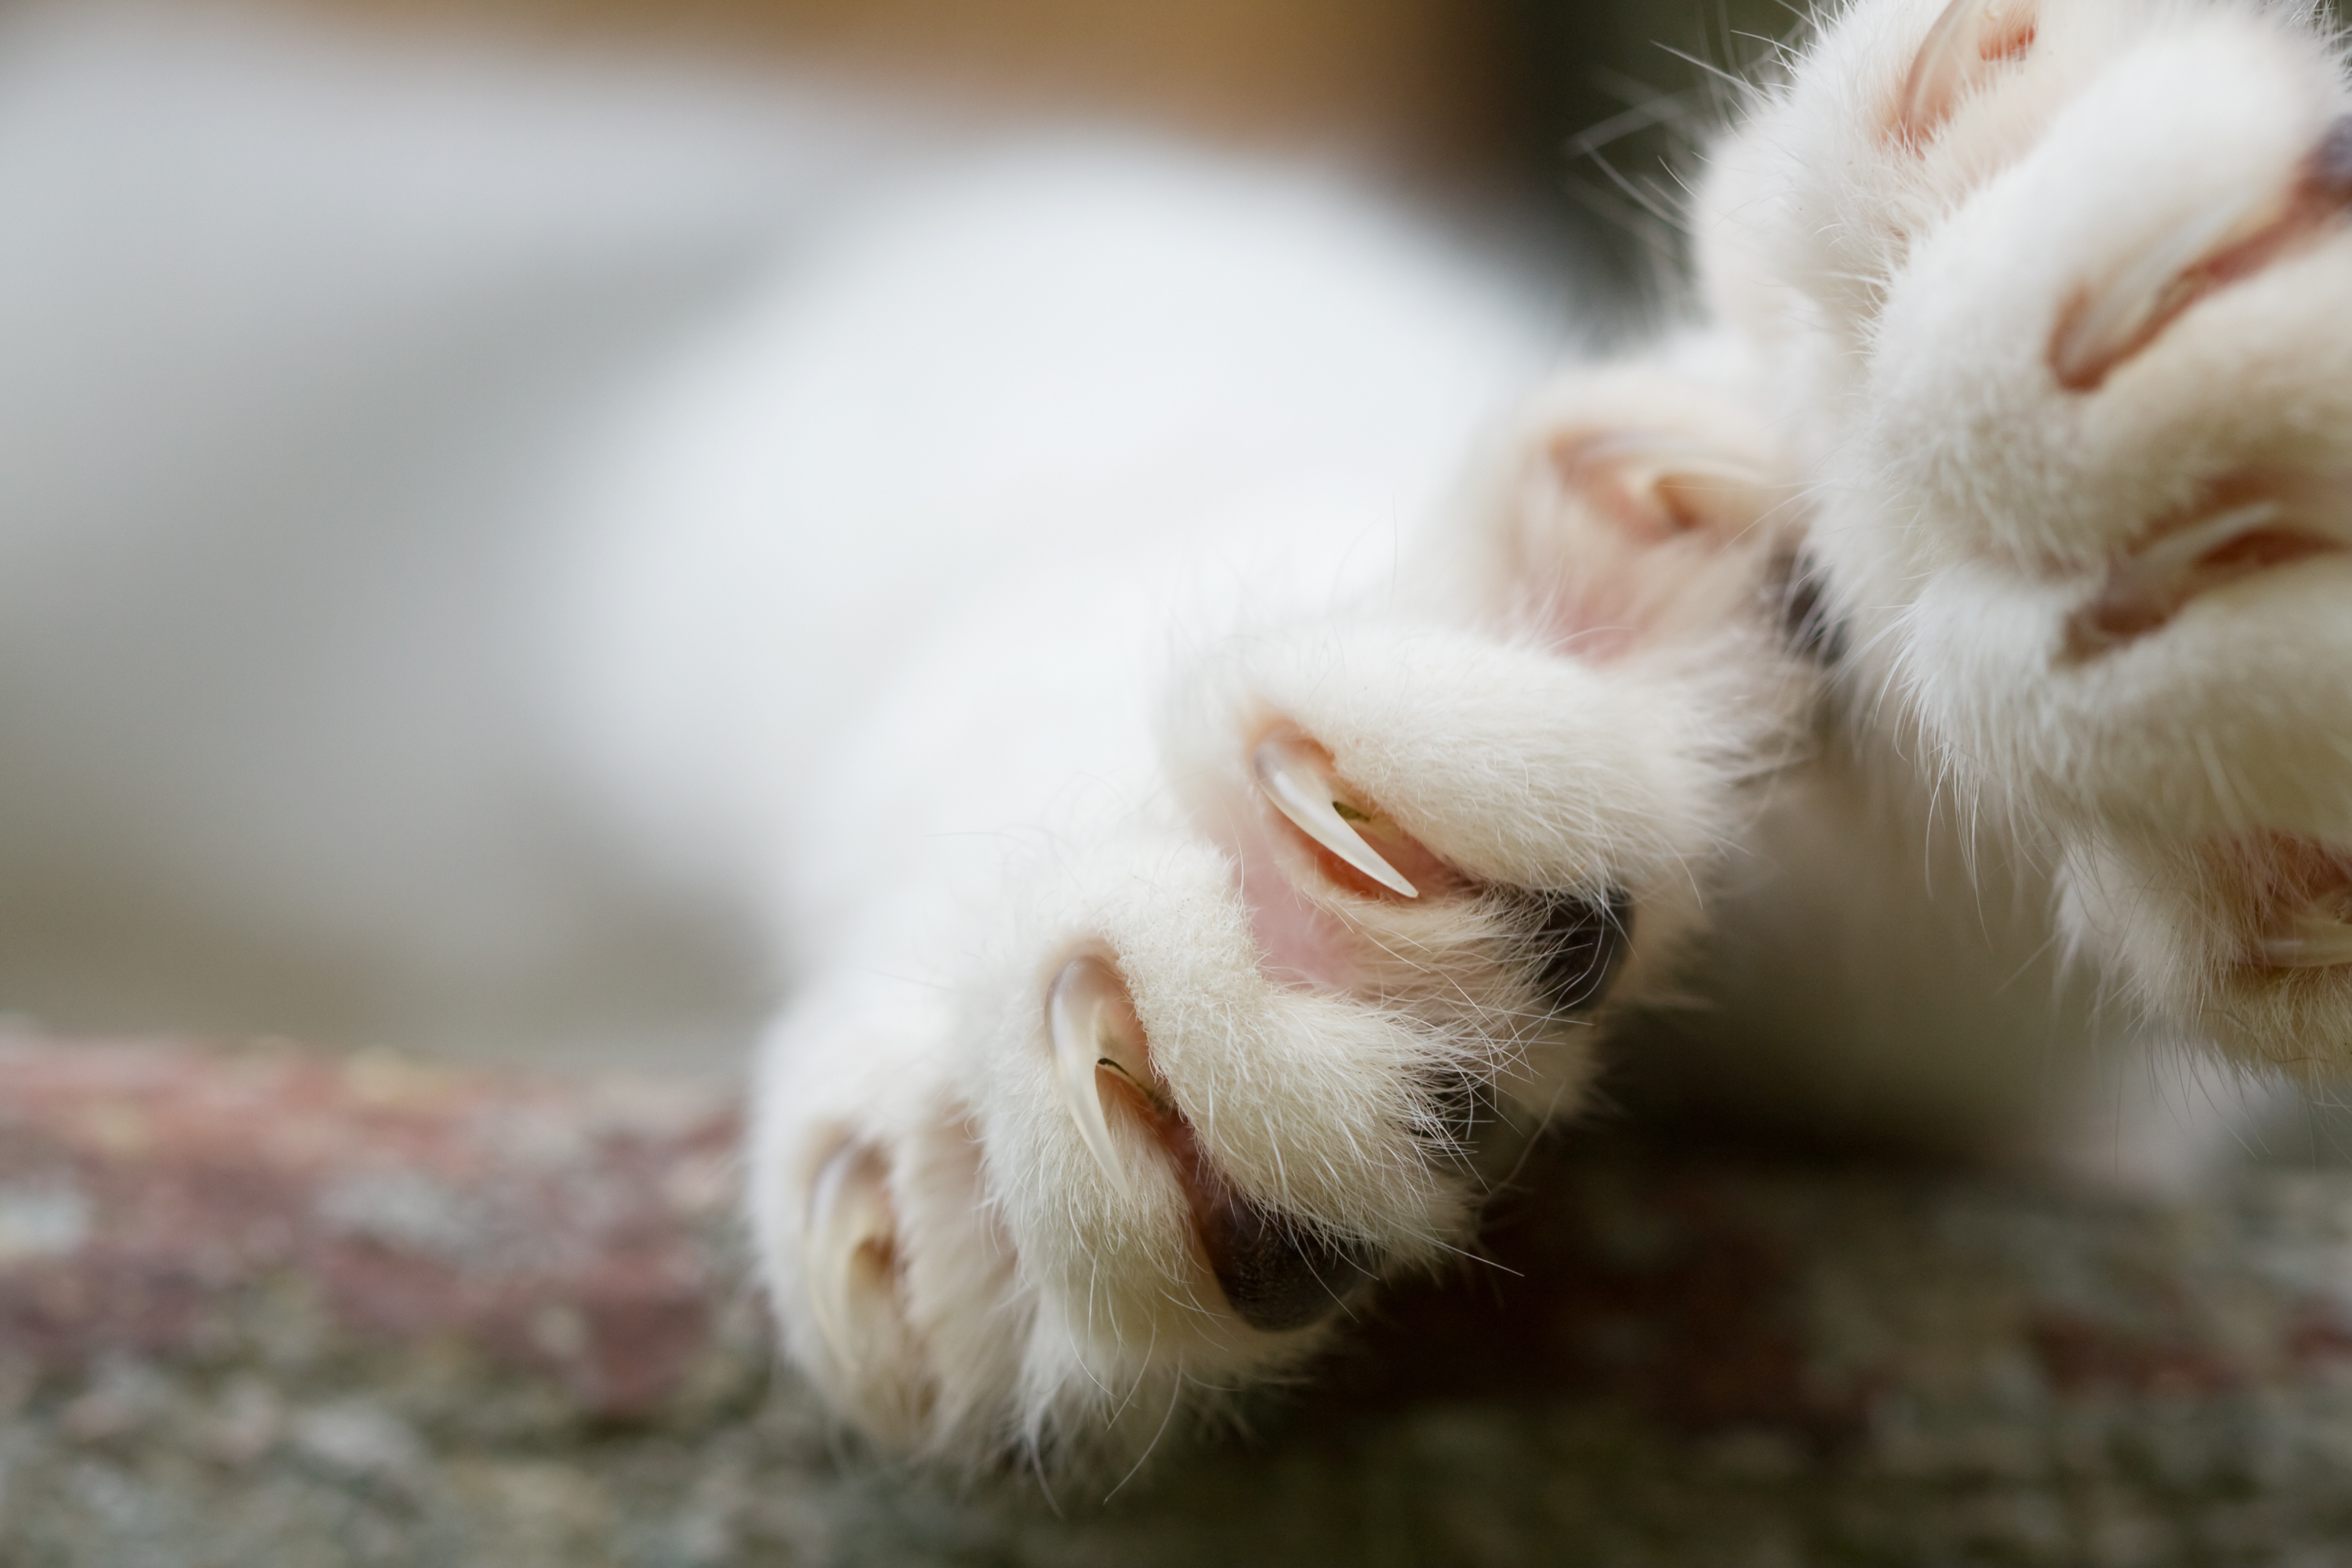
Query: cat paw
{"type": "Point", "coordinates": [2062, 289]}
{"type": "Point", "coordinates": [1212, 1061]}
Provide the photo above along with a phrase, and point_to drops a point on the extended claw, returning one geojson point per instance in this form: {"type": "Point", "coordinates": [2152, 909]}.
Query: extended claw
{"type": "Point", "coordinates": [1093, 1029]}
{"type": "Point", "coordinates": [847, 1243]}
{"type": "Point", "coordinates": [2236, 235]}
{"type": "Point", "coordinates": [2152, 584]}
{"type": "Point", "coordinates": [2124, 312]}
{"type": "Point", "coordinates": [2318, 936]}
{"type": "Point", "coordinates": [1659, 484]}
{"type": "Point", "coordinates": [1965, 38]}
{"type": "Point", "coordinates": [1301, 788]}
{"type": "Point", "coordinates": [2315, 941]}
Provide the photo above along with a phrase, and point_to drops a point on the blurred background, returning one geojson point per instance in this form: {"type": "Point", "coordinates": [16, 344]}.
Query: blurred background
{"type": "Point", "coordinates": [1574, 110]}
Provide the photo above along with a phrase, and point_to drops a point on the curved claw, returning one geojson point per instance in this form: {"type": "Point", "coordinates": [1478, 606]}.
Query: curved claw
{"type": "Point", "coordinates": [2159, 282]}
{"type": "Point", "coordinates": [1968, 33]}
{"type": "Point", "coordinates": [1092, 1027]}
{"type": "Point", "coordinates": [2149, 575]}
{"type": "Point", "coordinates": [850, 1232]}
{"type": "Point", "coordinates": [1661, 484]}
{"type": "Point", "coordinates": [2153, 585]}
{"type": "Point", "coordinates": [2315, 940]}
{"type": "Point", "coordinates": [2236, 235]}
{"type": "Point", "coordinates": [1294, 780]}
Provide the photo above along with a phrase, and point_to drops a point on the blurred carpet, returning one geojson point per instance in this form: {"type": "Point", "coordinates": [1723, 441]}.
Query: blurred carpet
{"type": "Point", "coordinates": [265, 1306]}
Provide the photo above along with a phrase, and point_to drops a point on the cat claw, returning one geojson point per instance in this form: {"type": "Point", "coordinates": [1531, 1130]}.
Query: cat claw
{"type": "Point", "coordinates": [1295, 779]}
{"type": "Point", "coordinates": [2316, 940]}
{"type": "Point", "coordinates": [2149, 586]}
{"type": "Point", "coordinates": [1664, 484]}
{"type": "Point", "coordinates": [2235, 237]}
{"type": "Point", "coordinates": [850, 1231]}
{"type": "Point", "coordinates": [1969, 36]}
{"type": "Point", "coordinates": [1092, 1027]}
{"type": "Point", "coordinates": [2114, 320]}
{"type": "Point", "coordinates": [2154, 582]}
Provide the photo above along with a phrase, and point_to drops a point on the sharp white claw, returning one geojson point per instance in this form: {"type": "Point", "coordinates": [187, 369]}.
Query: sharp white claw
{"type": "Point", "coordinates": [2119, 313]}
{"type": "Point", "coordinates": [2318, 939]}
{"type": "Point", "coordinates": [1681, 481]}
{"type": "Point", "coordinates": [1092, 1026]}
{"type": "Point", "coordinates": [1969, 35]}
{"type": "Point", "coordinates": [2149, 585]}
{"type": "Point", "coordinates": [2314, 945]}
{"type": "Point", "coordinates": [2152, 572]}
{"type": "Point", "coordinates": [1295, 780]}
{"type": "Point", "coordinates": [846, 1245]}
{"type": "Point", "coordinates": [2152, 584]}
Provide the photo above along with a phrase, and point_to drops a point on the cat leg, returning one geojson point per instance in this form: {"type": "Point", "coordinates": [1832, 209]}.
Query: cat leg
{"type": "Point", "coordinates": [1253, 1020]}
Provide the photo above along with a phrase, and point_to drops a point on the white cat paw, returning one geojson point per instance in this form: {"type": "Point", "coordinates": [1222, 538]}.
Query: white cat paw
{"type": "Point", "coordinates": [1216, 1061]}
{"type": "Point", "coordinates": [2065, 288]}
